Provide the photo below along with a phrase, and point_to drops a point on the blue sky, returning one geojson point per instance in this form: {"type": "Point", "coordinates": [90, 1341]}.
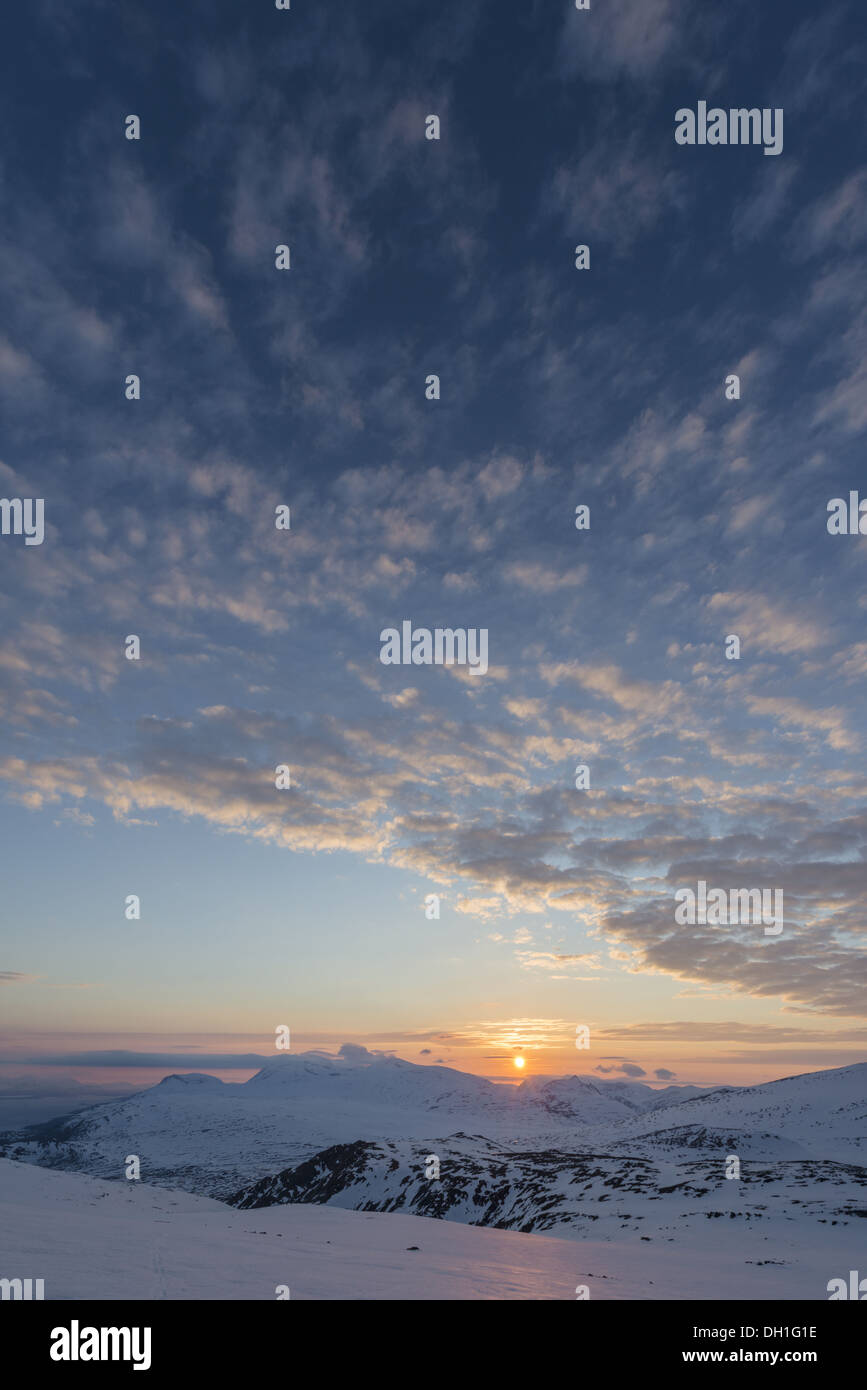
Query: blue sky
{"type": "Point", "coordinates": [307, 388]}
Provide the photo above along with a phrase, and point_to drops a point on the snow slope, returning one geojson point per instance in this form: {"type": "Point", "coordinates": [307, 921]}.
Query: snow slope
{"type": "Point", "coordinates": [92, 1239]}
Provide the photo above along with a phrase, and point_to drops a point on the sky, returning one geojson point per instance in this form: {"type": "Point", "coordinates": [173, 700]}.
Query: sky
{"type": "Point", "coordinates": [305, 388]}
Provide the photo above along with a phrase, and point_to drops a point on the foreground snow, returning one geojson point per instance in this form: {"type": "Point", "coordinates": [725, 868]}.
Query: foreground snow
{"type": "Point", "coordinates": [88, 1238]}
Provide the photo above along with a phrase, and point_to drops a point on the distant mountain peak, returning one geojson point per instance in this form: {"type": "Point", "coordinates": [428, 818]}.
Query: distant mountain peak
{"type": "Point", "coordinates": [198, 1080]}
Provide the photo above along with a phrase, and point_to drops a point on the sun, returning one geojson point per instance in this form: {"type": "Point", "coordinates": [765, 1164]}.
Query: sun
{"type": "Point", "coordinates": [519, 1062]}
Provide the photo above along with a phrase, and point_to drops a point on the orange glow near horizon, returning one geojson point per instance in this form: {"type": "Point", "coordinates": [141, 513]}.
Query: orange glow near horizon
{"type": "Point", "coordinates": [134, 1060]}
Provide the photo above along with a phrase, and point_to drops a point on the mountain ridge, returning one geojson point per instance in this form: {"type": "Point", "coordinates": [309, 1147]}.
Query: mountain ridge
{"type": "Point", "coordinates": [197, 1132]}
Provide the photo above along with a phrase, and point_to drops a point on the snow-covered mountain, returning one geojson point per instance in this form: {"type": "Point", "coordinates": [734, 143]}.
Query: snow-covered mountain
{"type": "Point", "coordinates": [202, 1134]}
{"type": "Point", "coordinates": [482, 1183]}
{"type": "Point", "coordinates": [822, 1113]}
{"type": "Point", "coordinates": [199, 1133]}
{"type": "Point", "coordinates": [587, 1104]}
{"type": "Point", "coordinates": [593, 1098]}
